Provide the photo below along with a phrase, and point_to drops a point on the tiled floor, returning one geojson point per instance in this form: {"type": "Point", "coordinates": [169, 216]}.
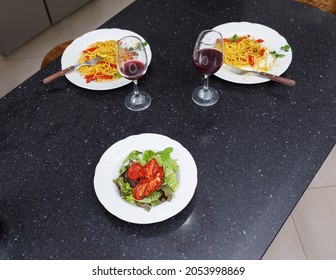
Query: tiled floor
{"type": "Point", "coordinates": [310, 231]}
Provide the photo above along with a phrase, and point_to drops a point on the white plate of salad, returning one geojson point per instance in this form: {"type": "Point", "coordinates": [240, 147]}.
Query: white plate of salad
{"type": "Point", "coordinates": [116, 186]}
{"type": "Point", "coordinates": [277, 51]}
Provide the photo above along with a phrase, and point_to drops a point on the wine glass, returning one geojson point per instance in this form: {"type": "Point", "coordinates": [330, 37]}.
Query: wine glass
{"type": "Point", "coordinates": [208, 58]}
{"type": "Point", "coordinates": [132, 64]}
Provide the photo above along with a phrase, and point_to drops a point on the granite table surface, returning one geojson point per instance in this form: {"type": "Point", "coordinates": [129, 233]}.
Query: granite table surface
{"type": "Point", "coordinates": [256, 150]}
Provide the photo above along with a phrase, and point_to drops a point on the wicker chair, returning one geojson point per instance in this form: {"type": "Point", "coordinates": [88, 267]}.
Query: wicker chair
{"type": "Point", "coordinates": [54, 53]}
{"type": "Point", "coordinates": [324, 5]}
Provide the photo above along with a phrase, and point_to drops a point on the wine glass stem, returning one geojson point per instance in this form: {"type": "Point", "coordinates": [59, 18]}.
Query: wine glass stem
{"type": "Point", "coordinates": [137, 98]}
{"type": "Point", "coordinates": [136, 89]}
{"type": "Point", "coordinates": [205, 93]}
{"type": "Point", "coordinates": [206, 83]}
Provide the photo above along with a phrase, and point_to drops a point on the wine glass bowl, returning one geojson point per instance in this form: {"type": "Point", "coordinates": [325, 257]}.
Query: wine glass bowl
{"type": "Point", "coordinates": [132, 63]}
{"type": "Point", "coordinates": [208, 58]}
{"type": "Point", "coordinates": [133, 69]}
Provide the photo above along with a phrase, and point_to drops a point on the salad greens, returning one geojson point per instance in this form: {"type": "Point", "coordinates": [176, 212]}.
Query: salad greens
{"type": "Point", "coordinates": [170, 182]}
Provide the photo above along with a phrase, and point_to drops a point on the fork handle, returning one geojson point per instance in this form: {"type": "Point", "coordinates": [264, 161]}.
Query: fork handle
{"type": "Point", "coordinates": [57, 75]}
{"type": "Point", "coordinates": [282, 80]}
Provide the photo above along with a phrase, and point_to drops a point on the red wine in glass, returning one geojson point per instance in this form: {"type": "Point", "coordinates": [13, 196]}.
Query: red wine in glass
{"type": "Point", "coordinates": [132, 63]}
{"type": "Point", "coordinates": [208, 61]}
{"type": "Point", "coordinates": [208, 58]}
{"type": "Point", "coordinates": [133, 69]}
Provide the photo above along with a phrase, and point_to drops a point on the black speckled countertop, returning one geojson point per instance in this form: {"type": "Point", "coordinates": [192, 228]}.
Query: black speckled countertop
{"type": "Point", "coordinates": [256, 150]}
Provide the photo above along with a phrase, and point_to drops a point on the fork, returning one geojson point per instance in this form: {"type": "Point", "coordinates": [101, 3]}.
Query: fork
{"type": "Point", "coordinates": [61, 73]}
{"type": "Point", "coordinates": [282, 80]}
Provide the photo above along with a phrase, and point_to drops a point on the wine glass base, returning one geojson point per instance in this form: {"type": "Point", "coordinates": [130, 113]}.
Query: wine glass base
{"type": "Point", "coordinates": [205, 97]}
{"type": "Point", "coordinates": [138, 102]}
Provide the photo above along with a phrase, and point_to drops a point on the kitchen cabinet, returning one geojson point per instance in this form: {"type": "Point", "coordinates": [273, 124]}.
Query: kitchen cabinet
{"type": "Point", "coordinates": [58, 9]}
{"type": "Point", "coordinates": [22, 20]}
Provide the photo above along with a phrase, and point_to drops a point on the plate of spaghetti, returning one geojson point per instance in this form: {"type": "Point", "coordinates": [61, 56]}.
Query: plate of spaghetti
{"type": "Point", "coordinates": [252, 46]}
{"type": "Point", "coordinates": [104, 75]}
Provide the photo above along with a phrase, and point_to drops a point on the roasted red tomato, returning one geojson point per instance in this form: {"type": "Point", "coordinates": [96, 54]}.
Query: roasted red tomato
{"type": "Point", "coordinates": [151, 168]}
{"type": "Point", "coordinates": [140, 189]}
{"type": "Point", "coordinates": [146, 187]}
{"type": "Point", "coordinates": [151, 181]}
{"type": "Point", "coordinates": [251, 61]}
{"type": "Point", "coordinates": [135, 171]}
{"type": "Point", "coordinates": [262, 52]}
{"type": "Point", "coordinates": [90, 50]}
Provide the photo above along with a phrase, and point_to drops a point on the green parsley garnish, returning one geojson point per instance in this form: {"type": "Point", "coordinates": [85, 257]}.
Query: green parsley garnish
{"type": "Point", "coordinates": [284, 48]}
{"type": "Point", "coordinates": [234, 38]}
{"type": "Point", "coordinates": [137, 47]}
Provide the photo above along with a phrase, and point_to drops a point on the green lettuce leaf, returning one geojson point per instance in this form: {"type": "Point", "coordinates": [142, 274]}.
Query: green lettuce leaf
{"type": "Point", "coordinates": [125, 189]}
{"type": "Point", "coordinates": [168, 192]}
{"type": "Point", "coordinates": [170, 168]}
{"type": "Point", "coordinates": [148, 155]}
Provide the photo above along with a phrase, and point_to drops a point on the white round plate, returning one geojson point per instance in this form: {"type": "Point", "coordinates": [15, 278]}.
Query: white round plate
{"type": "Point", "coordinates": [108, 169]}
{"type": "Point", "coordinates": [72, 52]}
{"type": "Point", "coordinates": [272, 40]}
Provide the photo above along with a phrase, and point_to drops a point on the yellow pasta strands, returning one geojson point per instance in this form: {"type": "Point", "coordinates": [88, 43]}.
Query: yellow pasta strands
{"type": "Point", "coordinates": [245, 51]}
{"type": "Point", "coordinates": [106, 69]}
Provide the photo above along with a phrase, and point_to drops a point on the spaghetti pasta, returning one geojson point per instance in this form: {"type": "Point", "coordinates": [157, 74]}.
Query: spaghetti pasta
{"type": "Point", "coordinates": [106, 68]}
{"type": "Point", "coordinates": [245, 51]}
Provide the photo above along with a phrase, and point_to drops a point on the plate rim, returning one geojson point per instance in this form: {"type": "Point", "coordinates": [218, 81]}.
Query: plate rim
{"type": "Point", "coordinates": [68, 60]}
{"type": "Point", "coordinates": [179, 202]}
{"type": "Point", "coordinates": [241, 79]}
